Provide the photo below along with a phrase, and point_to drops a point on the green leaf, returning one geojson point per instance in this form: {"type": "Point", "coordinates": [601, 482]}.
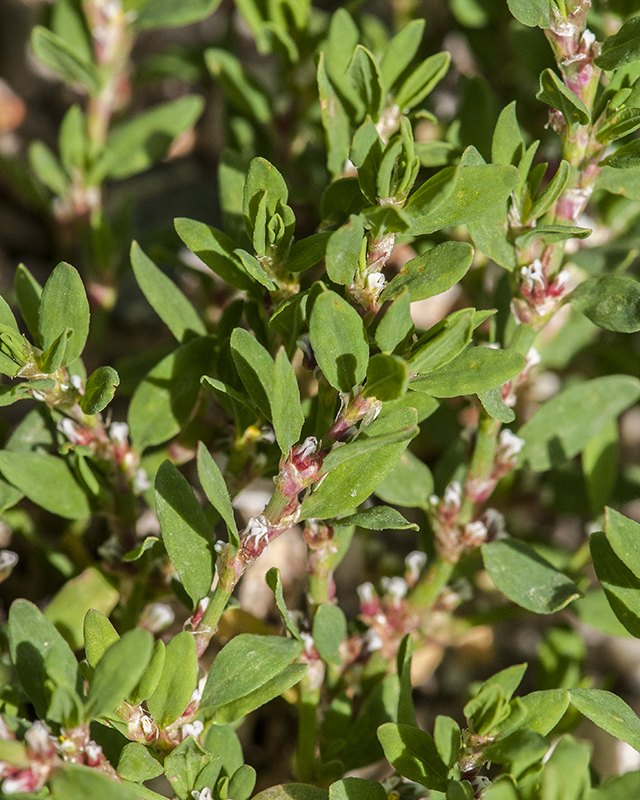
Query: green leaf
{"type": "Point", "coordinates": [421, 81]}
{"type": "Point", "coordinates": [396, 326]}
{"type": "Point", "coordinates": [600, 467]}
{"type": "Point", "coordinates": [609, 712]}
{"type": "Point", "coordinates": [624, 786]}
{"type": "Point", "coordinates": [563, 426]}
{"type": "Point", "coordinates": [612, 302]}
{"type": "Point", "coordinates": [533, 13]}
{"type": "Point", "coordinates": [553, 190]}
{"type": "Point", "coordinates": [545, 709]}
{"type": "Point", "coordinates": [64, 305]}
{"type": "Point", "coordinates": [274, 582]}
{"type": "Point", "coordinates": [351, 482]}
{"type": "Point", "coordinates": [549, 234]}
{"type": "Point", "coordinates": [414, 754]}
{"type": "Point", "coordinates": [178, 680]}
{"type": "Point", "coordinates": [247, 663]}
{"type": "Point", "coordinates": [166, 14]}
{"type": "Point", "coordinates": [339, 341]}
{"type": "Point", "coordinates": [72, 140]}
{"type": "Point", "coordinates": [47, 481]}
{"type": "Point", "coordinates": [431, 273]}
{"type": "Point", "coordinates": [48, 169]}
{"type": "Point", "coordinates": [625, 157]}
{"type": "Point", "coordinates": [288, 417]}
{"type": "Point", "coordinates": [487, 710]}
{"type": "Point", "coordinates": [242, 783]}
{"type": "Point", "coordinates": [409, 484]}
{"type": "Point", "coordinates": [624, 122]}
{"type": "Point", "coordinates": [339, 456]}
{"type": "Point", "coordinates": [448, 738]}
{"type": "Point", "coordinates": [262, 179]}
{"type": "Point", "coordinates": [69, 606]}
{"type": "Point", "coordinates": [293, 791]}
{"type": "Point", "coordinates": [242, 89]}
{"type": "Point", "coordinates": [475, 370]}
{"type": "Point", "coordinates": [379, 518]}
{"type": "Point", "coordinates": [443, 342]}
{"type": "Point", "coordinates": [459, 196]}
{"type": "Point", "coordinates": [344, 251]}
{"type": "Point", "coordinates": [163, 401]}
{"type": "Point", "coordinates": [334, 121]}
{"type": "Point", "coordinates": [63, 60]}
{"type": "Point", "coordinates": [620, 584]}
{"type": "Point", "coordinates": [151, 677]}
{"type": "Point", "coordinates": [118, 671]}
{"type": "Point", "coordinates": [400, 52]}
{"type": "Point", "coordinates": [39, 653]}
{"type": "Point", "coordinates": [494, 406]}
{"type": "Point", "coordinates": [236, 405]}
{"type": "Point", "coordinates": [554, 93]}
{"type": "Point", "coordinates": [215, 249]}
{"type": "Point", "coordinates": [623, 534]}
{"type": "Point", "coordinates": [308, 252]}
{"type": "Point", "coordinates": [185, 531]}
{"type": "Point", "coordinates": [171, 305]}
{"type": "Point", "coordinates": [364, 73]}
{"type": "Point", "coordinates": [594, 610]}
{"type": "Point", "coordinates": [53, 357]}
{"type": "Point", "coordinates": [329, 631]}
{"type": "Point", "coordinates": [255, 367]}
{"type": "Point", "coordinates": [98, 634]}
{"type": "Point", "coordinates": [135, 145]}
{"type": "Point", "coordinates": [99, 390]}
{"type": "Point", "coordinates": [76, 782]}
{"type": "Point", "coordinates": [216, 490]}
{"type": "Point", "coordinates": [275, 687]}
{"type": "Point", "coordinates": [357, 789]}
{"type": "Point", "coordinates": [137, 764]}
{"type": "Point", "coordinates": [507, 146]}
{"type": "Point", "coordinates": [622, 48]}
{"type": "Point", "coordinates": [387, 377]}
{"type": "Point", "coordinates": [527, 578]}
{"type": "Point", "coordinates": [28, 293]}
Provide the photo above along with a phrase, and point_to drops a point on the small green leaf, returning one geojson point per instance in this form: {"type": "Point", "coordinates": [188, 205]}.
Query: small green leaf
{"type": "Point", "coordinates": [612, 302]}
{"type": "Point", "coordinates": [185, 531]}
{"type": "Point", "coordinates": [245, 664]}
{"type": "Point", "coordinates": [334, 121]}
{"type": "Point", "coordinates": [98, 634]}
{"type": "Point", "coordinates": [61, 59]}
{"type": "Point", "coordinates": [135, 145]}
{"type": "Point", "coordinates": [431, 273]}
{"type": "Point", "coordinates": [364, 73]}
{"type": "Point", "coordinates": [72, 140]}
{"type": "Point", "coordinates": [549, 234]}
{"type": "Point", "coordinates": [151, 677]}
{"type": "Point", "coordinates": [351, 482]}
{"type": "Point", "coordinates": [414, 754]}
{"type": "Point", "coordinates": [344, 250]}
{"type": "Point", "coordinates": [64, 305]}
{"type": "Point", "coordinates": [623, 534]}
{"type": "Point", "coordinates": [242, 783]}
{"type": "Point", "coordinates": [308, 252]}
{"type": "Point", "coordinates": [396, 326]}
{"type": "Point", "coordinates": [475, 370]}
{"type": "Point", "coordinates": [357, 789]}
{"type": "Point", "coordinates": [288, 417]}
{"type": "Point", "coordinates": [39, 653]}
{"type": "Point", "coordinates": [171, 305]}
{"type": "Point", "coordinates": [533, 13]}
{"type": "Point", "coordinates": [563, 426]}
{"type": "Point", "coordinates": [163, 401]}
{"type": "Point", "coordinates": [620, 584]}
{"type": "Point", "coordinates": [545, 709]}
{"type": "Point", "coordinates": [99, 390]}
{"type": "Point", "coordinates": [400, 52]}
{"type": "Point", "coordinates": [28, 293]}
{"type": "Point", "coordinates": [448, 738]}
{"type": "Point", "coordinates": [624, 122]}
{"type": "Point", "coordinates": [329, 631]}
{"type": "Point", "coordinates": [339, 341]}
{"type": "Point", "coordinates": [600, 467]}
{"type": "Point", "coordinates": [166, 14]}
{"type": "Point", "coordinates": [387, 377]}
{"type": "Point", "coordinates": [494, 405]}
{"type": "Point", "coordinates": [76, 782]}
{"type": "Point", "coordinates": [293, 791]}
{"type": "Point", "coordinates": [187, 765]}
{"type": "Point", "coordinates": [48, 169]}
{"type": "Point", "coordinates": [274, 582]}
{"type": "Point", "coordinates": [179, 679]}
{"type": "Point", "coordinates": [609, 712]}
{"type": "Point", "coordinates": [69, 606]}
{"type": "Point", "coordinates": [364, 445]}
{"type": "Point", "coordinates": [216, 490]}
{"type": "Point", "coordinates": [553, 92]}
{"type": "Point", "coordinates": [118, 671]}
{"type": "Point", "coordinates": [507, 146]}
{"type": "Point", "coordinates": [47, 481]}
{"type": "Point", "coordinates": [255, 367]}
{"type": "Point", "coordinates": [625, 157]}
{"type": "Point", "coordinates": [443, 342]}
{"type": "Point", "coordinates": [409, 484]}
{"type": "Point", "coordinates": [53, 357]}
{"type": "Point", "coordinates": [137, 764]}
{"type": "Point", "coordinates": [379, 518]}
{"type": "Point", "coordinates": [242, 89]}
{"type": "Point", "coordinates": [552, 191]}
{"type": "Point", "coordinates": [422, 80]}
{"type": "Point", "coordinates": [622, 48]}
{"type": "Point", "coordinates": [527, 578]}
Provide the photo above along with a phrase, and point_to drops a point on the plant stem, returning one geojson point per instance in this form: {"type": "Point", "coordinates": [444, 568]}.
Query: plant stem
{"type": "Point", "coordinates": [306, 751]}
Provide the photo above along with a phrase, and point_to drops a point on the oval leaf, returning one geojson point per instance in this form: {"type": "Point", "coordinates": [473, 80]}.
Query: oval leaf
{"type": "Point", "coordinates": [612, 302]}
{"type": "Point", "coordinates": [475, 370]}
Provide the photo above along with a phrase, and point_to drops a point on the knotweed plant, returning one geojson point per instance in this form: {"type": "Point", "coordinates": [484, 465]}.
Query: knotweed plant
{"type": "Point", "coordinates": [411, 319]}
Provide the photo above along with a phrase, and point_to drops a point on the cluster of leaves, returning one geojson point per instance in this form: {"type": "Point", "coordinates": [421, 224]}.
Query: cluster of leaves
{"type": "Point", "coordinates": [313, 373]}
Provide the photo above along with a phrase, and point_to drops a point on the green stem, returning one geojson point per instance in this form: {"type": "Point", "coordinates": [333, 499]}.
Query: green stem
{"type": "Point", "coordinates": [217, 604]}
{"type": "Point", "coordinates": [482, 462]}
{"type": "Point", "coordinates": [306, 752]}
{"type": "Point", "coordinates": [427, 591]}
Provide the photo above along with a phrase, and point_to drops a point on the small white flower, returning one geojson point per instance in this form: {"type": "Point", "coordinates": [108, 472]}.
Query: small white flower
{"type": "Point", "coordinates": [533, 358]}
{"type": "Point", "coordinates": [93, 752]}
{"type": "Point", "coordinates": [376, 282]}
{"type": "Point", "coordinates": [38, 737]}
{"type": "Point", "coordinates": [415, 561]}
{"type": "Point", "coordinates": [510, 444]}
{"type": "Point", "coordinates": [533, 274]}
{"type": "Point", "coordinates": [366, 592]}
{"type": "Point", "coordinates": [475, 532]}
{"type": "Point", "coordinates": [453, 494]}
{"type": "Point", "coordinates": [76, 382]}
{"type": "Point", "coordinates": [396, 587]}
{"type": "Point", "coordinates": [119, 432]}
{"type": "Point", "coordinates": [147, 725]}
{"type": "Point", "coordinates": [141, 480]}
{"type": "Point", "coordinates": [309, 446]}
{"type": "Point", "coordinates": [66, 426]}
{"type": "Point", "coordinates": [307, 640]}
{"type": "Point", "coordinates": [192, 729]}
{"type": "Point", "coordinates": [373, 640]}
{"type": "Point", "coordinates": [203, 794]}
{"type": "Point", "coordinates": [257, 530]}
